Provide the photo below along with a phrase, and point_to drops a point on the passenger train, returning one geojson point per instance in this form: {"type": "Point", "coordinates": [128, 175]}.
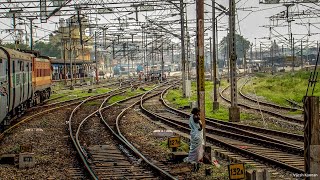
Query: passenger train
{"type": "Point", "coordinates": [25, 80]}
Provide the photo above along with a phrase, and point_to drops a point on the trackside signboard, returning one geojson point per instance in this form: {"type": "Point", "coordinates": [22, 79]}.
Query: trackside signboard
{"type": "Point", "coordinates": [236, 171]}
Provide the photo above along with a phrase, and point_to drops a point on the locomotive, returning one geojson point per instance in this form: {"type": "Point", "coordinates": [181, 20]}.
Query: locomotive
{"type": "Point", "coordinates": [25, 80]}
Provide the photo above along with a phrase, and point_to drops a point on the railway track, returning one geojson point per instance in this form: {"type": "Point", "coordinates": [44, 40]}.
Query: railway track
{"type": "Point", "coordinates": [265, 103]}
{"type": "Point", "coordinates": [41, 110]}
{"type": "Point", "coordinates": [272, 112]}
{"type": "Point", "coordinates": [225, 136]}
{"type": "Point", "coordinates": [108, 154]}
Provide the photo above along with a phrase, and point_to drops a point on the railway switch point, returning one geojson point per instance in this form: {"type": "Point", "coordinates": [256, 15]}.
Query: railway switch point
{"type": "Point", "coordinates": [26, 160]}
{"type": "Point", "coordinates": [234, 114]}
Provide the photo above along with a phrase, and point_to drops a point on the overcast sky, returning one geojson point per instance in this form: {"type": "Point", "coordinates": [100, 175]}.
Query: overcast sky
{"type": "Point", "coordinates": [250, 22]}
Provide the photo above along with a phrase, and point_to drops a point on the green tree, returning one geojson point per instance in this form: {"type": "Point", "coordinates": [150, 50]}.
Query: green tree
{"type": "Point", "coordinates": [12, 46]}
{"type": "Point", "coordinates": [45, 49]}
{"type": "Point", "coordinates": [48, 49]}
{"type": "Point", "coordinates": [242, 45]}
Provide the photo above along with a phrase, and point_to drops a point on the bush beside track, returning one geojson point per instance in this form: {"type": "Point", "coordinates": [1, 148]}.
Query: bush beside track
{"type": "Point", "coordinates": [277, 88]}
{"type": "Point", "coordinates": [174, 96]}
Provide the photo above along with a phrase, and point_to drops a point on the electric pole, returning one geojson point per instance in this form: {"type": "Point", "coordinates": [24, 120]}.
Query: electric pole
{"type": "Point", "coordinates": [70, 55]}
{"type": "Point", "coordinates": [234, 111]}
{"type": "Point", "coordinates": [200, 64]}
{"type": "Point", "coordinates": [183, 55]}
{"type": "Point", "coordinates": [31, 31]}
{"type": "Point", "coordinates": [215, 104]}
{"type": "Point", "coordinates": [301, 55]}
{"type": "Point", "coordinates": [81, 41]}
{"type": "Point", "coordinates": [211, 61]}
{"type": "Point", "coordinates": [95, 56]}
{"type": "Point", "coordinates": [292, 53]}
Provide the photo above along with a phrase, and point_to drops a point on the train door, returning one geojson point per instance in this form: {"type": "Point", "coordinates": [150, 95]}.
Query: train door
{"type": "Point", "coordinates": [16, 83]}
{"type": "Point", "coordinates": [29, 79]}
{"type": "Point", "coordinates": [4, 88]}
{"type": "Point", "coordinates": [22, 80]}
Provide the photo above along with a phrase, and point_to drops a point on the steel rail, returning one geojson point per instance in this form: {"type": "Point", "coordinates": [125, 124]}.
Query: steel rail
{"type": "Point", "coordinates": [123, 139]}
{"type": "Point", "coordinates": [176, 125]}
{"type": "Point", "coordinates": [235, 125]}
{"type": "Point", "coordinates": [289, 119]}
{"type": "Point", "coordinates": [77, 144]}
{"type": "Point", "coordinates": [265, 103]}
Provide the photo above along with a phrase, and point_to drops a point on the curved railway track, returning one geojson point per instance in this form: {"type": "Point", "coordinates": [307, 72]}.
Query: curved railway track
{"type": "Point", "coordinates": [41, 110]}
{"type": "Point", "coordinates": [287, 155]}
{"type": "Point", "coordinates": [112, 156]}
{"type": "Point", "coordinates": [272, 112]}
{"type": "Point", "coordinates": [265, 103]}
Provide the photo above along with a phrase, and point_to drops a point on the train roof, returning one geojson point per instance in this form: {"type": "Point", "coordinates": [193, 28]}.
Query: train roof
{"type": "Point", "coordinates": [14, 54]}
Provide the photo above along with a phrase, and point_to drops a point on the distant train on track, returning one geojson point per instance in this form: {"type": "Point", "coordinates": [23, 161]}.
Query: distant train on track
{"type": "Point", "coordinates": [25, 80]}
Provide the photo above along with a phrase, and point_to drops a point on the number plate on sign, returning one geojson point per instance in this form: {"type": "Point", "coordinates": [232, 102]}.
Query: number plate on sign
{"type": "Point", "coordinates": [174, 142]}
{"type": "Point", "coordinates": [236, 171]}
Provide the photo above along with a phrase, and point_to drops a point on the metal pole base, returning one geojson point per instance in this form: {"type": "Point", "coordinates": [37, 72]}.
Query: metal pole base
{"type": "Point", "coordinates": [234, 114]}
{"type": "Point", "coordinates": [215, 105]}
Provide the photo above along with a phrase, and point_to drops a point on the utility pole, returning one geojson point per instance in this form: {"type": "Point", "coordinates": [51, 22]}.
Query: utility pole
{"type": "Point", "coordinates": [211, 61]}
{"type": "Point", "coordinates": [228, 54]}
{"type": "Point", "coordinates": [255, 47]}
{"type": "Point", "coordinates": [63, 44]}
{"type": "Point", "coordinates": [152, 56]}
{"type": "Point", "coordinates": [129, 50]}
{"type": "Point", "coordinates": [14, 14]}
{"type": "Point", "coordinates": [200, 64]}
{"type": "Point", "coordinates": [251, 54]}
{"type": "Point", "coordinates": [244, 57]}
{"type": "Point", "coordinates": [311, 136]}
{"type": "Point", "coordinates": [272, 54]}
{"type": "Point", "coordinates": [70, 56]}
{"type": "Point", "coordinates": [162, 62]}
{"type": "Point", "coordinates": [215, 104]}
{"type": "Point", "coordinates": [146, 55]}
{"type": "Point", "coordinates": [31, 31]}
{"type": "Point", "coordinates": [292, 53]}
{"type": "Point", "coordinates": [301, 55]}
{"type": "Point", "coordinates": [234, 111]}
{"type": "Point", "coordinates": [172, 59]}
{"type": "Point", "coordinates": [187, 62]}
{"type": "Point", "coordinates": [183, 55]}
{"type": "Point", "coordinates": [283, 57]}
{"type": "Point", "coordinates": [95, 56]}
{"type": "Point", "coordinates": [142, 49]}
{"type": "Point", "coordinates": [188, 57]}
{"type": "Point", "coordinates": [81, 41]}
